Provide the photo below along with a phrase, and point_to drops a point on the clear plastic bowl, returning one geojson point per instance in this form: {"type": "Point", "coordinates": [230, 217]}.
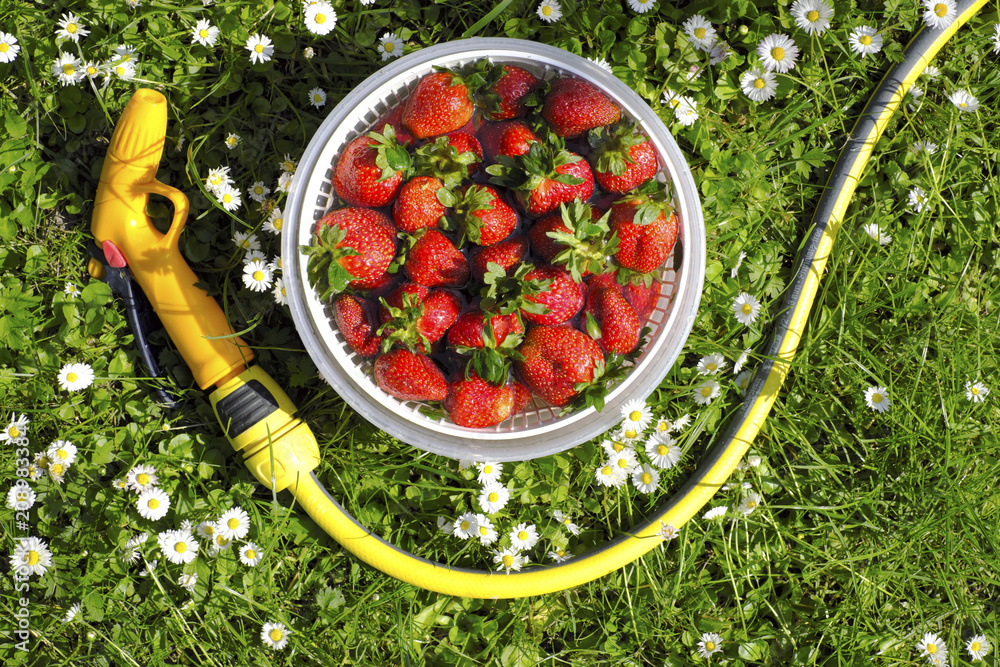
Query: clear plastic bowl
{"type": "Point", "coordinates": [538, 430]}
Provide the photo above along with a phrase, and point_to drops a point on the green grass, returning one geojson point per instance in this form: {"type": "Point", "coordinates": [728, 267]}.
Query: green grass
{"type": "Point", "coordinates": [874, 528]}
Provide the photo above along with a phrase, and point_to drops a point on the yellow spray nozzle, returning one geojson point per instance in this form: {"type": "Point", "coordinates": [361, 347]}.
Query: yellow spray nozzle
{"type": "Point", "coordinates": [137, 143]}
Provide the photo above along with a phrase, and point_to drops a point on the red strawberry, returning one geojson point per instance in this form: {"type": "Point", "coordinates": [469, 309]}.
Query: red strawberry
{"type": "Point", "coordinates": [646, 231]}
{"type": "Point", "coordinates": [417, 317]}
{"type": "Point", "coordinates": [576, 238]}
{"type": "Point", "coordinates": [410, 376]}
{"type": "Point", "coordinates": [452, 158]}
{"type": "Point", "coordinates": [611, 321]}
{"type": "Point", "coordinates": [543, 178]}
{"type": "Point", "coordinates": [475, 403]}
{"type": "Point", "coordinates": [501, 97]}
{"type": "Point", "coordinates": [561, 300]}
{"type": "Point", "coordinates": [394, 118]}
{"type": "Point", "coordinates": [469, 329]}
{"type": "Point", "coordinates": [439, 104]}
{"type": "Point", "coordinates": [507, 253]}
{"type": "Point", "coordinates": [356, 324]}
{"type": "Point", "coordinates": [420, 204]}
{"type": "Point", "coordinates": [522, 396]}
{"type": "Point", "coordinates": [642, 297]}
{"type": "Point", "coordinates": [557, 359]}
{"type": "Point", "coordinates": [510, 138]}
{"type": "Point", "coordinates": [434, 261]}
{"type": "Point", "coordinates": [573, 106]}
{"type": "Point", "coordinates": [623, 158]}
{"type": "Point", "coordinates": [483, 216]}
{"type": "Point", "coordinates": [354, 248]}
{"type": "Point", "coordinates": [371, 169]}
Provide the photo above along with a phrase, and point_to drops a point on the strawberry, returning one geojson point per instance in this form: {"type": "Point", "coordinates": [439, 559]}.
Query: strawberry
{"type": "Point", "coordinates": [573, 106]}
{"type": "Point", "coordinates": [502, 93]}
{"type": "Point", "coordinates": [483, 216]}
{"type": "Point", "coordinates": [410, 376]}
{"type": "Point", "coordinates": [434, 261]}
{"type": "Point", "coordinates": [417, 317]}
{"type": "Point", "coordinates": [646, 230]}
{"type": "Point", "coordinates": [611, 321]}
{"type": "Point", "coordinates": [522, 396]}
{"type": "Point", "coordinates": [371, 169]}
{"type": "Point", "coordinates": [352, 248]}
{"type": "Point", "coordinates": [489, 342]}
{"type": "Point", "coordinates": [509, 138]}
{"type": "Point", "coordinates": [356, 324]}
{"type": "Point", "coordinates": [642, 297]}
{"type": "Point", "coordinates": [452, 158]}
{"type": "Point", "coordinates": [507, 254]}
{"type": "Point", "coordinates": [622, 158]}
{"type": "Point", "coordinates": [543, 178]}
{"type": "Point", "coordinates": [394, 117]}
{"type": "Point", "coordinates": [562, 299]}
{"type": "Point", "coordinates": [422, 202]}
{"type": "Point", "coordinates": [557, 360]}
{"type": "Point", "coordinates": [475, 403]}
{"type": "Point", "coordinates": [576, 238]}
{"type": "Point", "coordinates": [438, 105]}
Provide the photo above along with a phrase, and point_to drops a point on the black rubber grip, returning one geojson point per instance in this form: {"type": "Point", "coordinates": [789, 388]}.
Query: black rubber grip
{"type": "Point", "coordinates": [245, 407]}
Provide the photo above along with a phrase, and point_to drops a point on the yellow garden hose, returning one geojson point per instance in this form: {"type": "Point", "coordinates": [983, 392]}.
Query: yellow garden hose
{"type": "Point", "coordinates": [736, 438]}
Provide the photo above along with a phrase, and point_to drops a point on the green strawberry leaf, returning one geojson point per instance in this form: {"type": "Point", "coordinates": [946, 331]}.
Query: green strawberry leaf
{"type": "Point", "coordinates": [326, 274]}
{"type": "Point", "coordinates": [390, 156]}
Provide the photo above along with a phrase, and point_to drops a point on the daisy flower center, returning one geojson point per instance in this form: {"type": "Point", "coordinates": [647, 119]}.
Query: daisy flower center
{"type": "Point", "coordinates": [260, 49]}
{"type": "Point", "coordinates": [71, 28]}
{"type": "Point", "coordinates": [258, 275]}
{"type": "Point", "coordinates": [777, 53]}
{"type": "Point", "coordinates": [321, 18]}
{"type": "Point", "coordinates": [975, 390]}
{"type": "Point", "coordinates": [747, 309]}
{"type": "Point", "coordinates": [706, 391]}
{"type": "Point", "coordinates": [487, 470]}
{"type": "Point", "coordinates": [120, 70]}
{"type": "Point", "coordinates": [646, 478]}
{"type": "Point", "coordinates": [226, 198]}
{"type": "Point", "coordinates": [877, 398]}
{"type": "Point", "coordinates": [32, 557]}
{"type": "Point", "coordinates": [13, 432]}
{"type": "Point", "coordinates": [494, 496]}
{"type": "Point", "coordinates": [56, 469]}
{"type": "Point", "coordinates": [865, 39]}
{"type": "Point", "coordinates": [482, 530]}
{"type": "Point", "coordinates": [618, 446]}
{"type": "Point", "coordinates": [709, 646]}
{"type": "Point", "coordinates": [278, 222]}
{"type": "Point", "coordinates": [630, 434]}
{"type": "Point", "coordinates": [203, 33]}
{"type": "Point", "coordinates": [508, 560]}
{"type": "Point", "coordinates": [275, 635]}
{"type": "Point", "coordinates": [712, 367]}
{"type": "Point", "coordinates": [91, 71]}
{"type": "Point", "coordinates": [699, 33]}
{"type": "Point", "coordinates": [932, 648]}
{"type": "Point", "coordinates": [4, 47]}
{"type": "Point", "coordinates": [209, 530]}
{"type": "Point", "coordinates": [251, 554]}
{"type": "Point", "coordinates": [941, 9]}
{"type": "Point", "coordinates": [548, 12]}
{"type": "Point", "coordinates": [635, 415]}
{"type": "Point", "coordinates": [974, 646]}
{"type": "Point", "coordinates": [622, 463]}
{"type": "Point", "coordinates": [758, 83]}
{"type": "Point", "coordinates": [68, 69]}
{"type": "Point", "coordinates": [71, 376]}
{"type": "Point", "coordinates": [606, 470]}
{"type": "Point", "coordinates": [961, 105]}
{"type": "Point", "coordinates": [153, 503]}
{"type": "Point", "coordinates": [751, 504]}
{"type": "Point", "coordinates": [143, 479]}
{"type": "Point", "coordinates": [662, 450]}
{"type": "Point", "coordinates": [812, 16]}
{"type": "Point", "coordinates": [180, 547]}
{"type": "Point", "coordinates": [233, 524]}
{"type": "Point", "coordinates": [522, 535]}
{"type": "Point", "coordinates": [465, 525]}
{"type": "Point", "coordinates": [221, 541]}
{"type": "Point", "coordinates": [389, 46]}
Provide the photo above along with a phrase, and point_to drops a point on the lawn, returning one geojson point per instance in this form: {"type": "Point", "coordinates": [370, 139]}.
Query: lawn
{"type": "Point", "coordinates": [861, 527]}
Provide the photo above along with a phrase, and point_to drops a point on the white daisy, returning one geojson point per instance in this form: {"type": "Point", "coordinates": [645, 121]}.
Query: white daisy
{"type": "Point", "coordinates": [72, 613]}
{"type": "Point", "coordinates": [662, 426]}
{"type": "Point", "coordinates": [667, 533]}
{"type": "Point", "coordinates": [877, 398]}
{"type": "Point", "coordinates": [706, 392]}
{"type": "Point", "coordinates": [875, 232]}
{"type": "Point", "coordinates": [686, 111]}
{"type": "Point", "coordinates": [126, 53]}
{"type": "Point", "coordinates": [929, 146]}
{"type": "Point", "coordinates": [246, 242]}
{"type": "Point", "coordinates": [741, 360]}
{"type": "Point", "coordinates": [489, 472]}
{"type": "Point", "coordinates": [234, 524]}
{"type": "Point", "coordinates": [813, 16]}
{"type": "Point", "coordinates": [274, 635]}
{"type": "Point", "coordinates": [603, 64]}
{"type": "Point", "coordinates": [931, 72]}
{"type": "Point", "coordinates": [153, 504]}
{"type": "Point", "coordinates": [123, 70]}
{"type": "Point", "coordinates": [217, 178]}
{"type": "Point", "coordinates": [71, 28]}
{"type": "Point", "coordinates": [709, 644]}
{"type": "Point", "coordinates": [742, 381]}
{"type": "Point", "coordinates": [750, 502]}
{"type": "Point", "coordinates": [21, 497]}
{"type": "Point", "coordinates": [978, 647]}
{"type": "Point", "coordinates": [623, 463]}
{"type": "Point", "coordinates": [645, 479]}
{"type": "Point", "coordinates": [320, 18]}
{"type": "Point", "coordinates": [207, 530]}
{"type": "Point", "coordinates": [612, 446]}
{"type": "Point", "coordinates": [178, 546]}
{"type": "Point", "coordinates": [67, 69]}
{"type": "Point", "coordinates": [566, 522]}
{"type": "Point", "coordinates": [9, 48]}
{"type": "Point", "coordinates": [92, 69]}
{"type": "Point", "coordinates": [465, 526]}
{"type": "Point", "coordinates": [865, 41]}
{"type": "Point", "coordinates": [446, 525]}
{"type": "Point", "coordinates": [641, 6]}
{"type": "Point", "coordinates": [549, 11]}
{"type": "Point", "coordinates": [317, 98]}
{"type": "Point", "coordinates": [141, 478]}
{"type": "Point", "coordinates": [636, 414]}
{"type": "Point", "coordinates": [663, 451]}
{"type": "Point", "coordinates": [524, 536]}
{"type": "Point", "coordinates": [559, 555]}
{"type": "Point", "coordinates": [746, 307]}
{"type": "Point", "coordinates": [288, 164]}
{"type": "Point", "coordinates": [996, 39]}
{"type": "Point", "coordinates": [250, 554]}
{"type": "Point", "coordinates": [627, 434]}
{"type": "Point", "coordinates": [229, 197]}
{"type": "Point", "coordinates": [711, 364]}
{"type": "Point", "coordinates": [493, 498]}
{"type": "Point", "coordinates": [964, 100]}
{"type": "Point", "coordinates": [700, 31]}
{"type": "Point", "coordinates": [258, 191]}
{"type": "Point", "coordinates": [509, 559]}
{"type": "Point", "coordinates": [670, 98]}
{"type": "Point", "coordinates": [606, 475]}
{"type": "Point", "coordinates": [933, 648]}
{"type": "Point", "coordinates": [976, 391]}
{"type": "Point", "coordinates": [939, 14]}
{"type": "Point", "coordinates": [275, 222]}
{"type": "Point", "coordinates": [308, 53]}
{"type": "Point", "coordinates": [285, 181]}
{"type": "Point", "coordinates": [485, 531]}
{"type": "Point", "coordinates": [75, 376]}
{"type": "Point", "coordinates": [275, 264]}
{"type": "Point", "coordinates": [17, 428]}
{"type": "Point", "coordinates": [31, 556]}
{"type": "Point", "coordinates": [57, 471]}
{"type": "Point", "coordinates": [759, 85]}
{"type": "Point", "coordinates": [279, 293]}
{"type": "Point", "coordinates": [917, 199]}
{"type": "Point", "coordinates": [188, 581]}
{"type": "Point", "coordinates": [62, 451]}
{"type": "Point", "coordinates": [260, 47]}
{"type": "Point", "coordinates": [204, 33]}
{"type": "Point", "coordinates": [778, 52]}
{"type": "Point", "coordinates": [233, 140]}
{"type": "Point", "coordinates": [715, 513]}
{"type": "Point", "coordinates": [719, 52]}
{"type": "Point", "coordinates": [390, 46]}
{"type": "Point", "coordinates": [219, 544]}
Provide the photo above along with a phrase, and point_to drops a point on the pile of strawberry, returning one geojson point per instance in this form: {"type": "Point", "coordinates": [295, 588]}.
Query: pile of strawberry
{"type": "Point", "coordinates": [498, 240]}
